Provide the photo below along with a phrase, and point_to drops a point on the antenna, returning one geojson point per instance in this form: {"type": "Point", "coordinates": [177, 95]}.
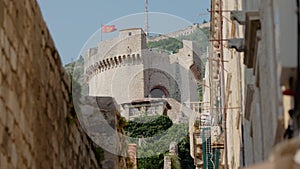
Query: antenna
{"type": "Point", "coordinates": [146, 18]}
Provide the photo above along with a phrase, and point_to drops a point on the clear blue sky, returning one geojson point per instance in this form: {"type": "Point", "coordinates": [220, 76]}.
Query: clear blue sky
{"type": "Point", "coordinates": [72, 22]}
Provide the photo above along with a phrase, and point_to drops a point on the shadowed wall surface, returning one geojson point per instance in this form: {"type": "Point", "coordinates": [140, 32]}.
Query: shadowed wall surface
{"type": "Point", "coordinates": [37, 129]}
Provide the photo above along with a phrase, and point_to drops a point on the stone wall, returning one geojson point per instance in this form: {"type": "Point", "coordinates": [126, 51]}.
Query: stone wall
{"type": "Point", "coordinates": [136, 73]}
{"type": "Point", "coordinates": [36, 127]}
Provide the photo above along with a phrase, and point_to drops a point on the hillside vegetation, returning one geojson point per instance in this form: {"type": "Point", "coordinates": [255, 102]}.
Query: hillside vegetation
{"type": "Point", "coordinates": [172, 45]}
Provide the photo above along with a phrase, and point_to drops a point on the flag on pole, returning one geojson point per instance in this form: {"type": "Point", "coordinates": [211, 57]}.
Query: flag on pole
{"type": "Point", "coordinates": [108, 28]}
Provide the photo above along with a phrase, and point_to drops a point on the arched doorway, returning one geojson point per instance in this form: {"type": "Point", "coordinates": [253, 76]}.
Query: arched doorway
{"type": "Point", "coordinates": [159, 92]}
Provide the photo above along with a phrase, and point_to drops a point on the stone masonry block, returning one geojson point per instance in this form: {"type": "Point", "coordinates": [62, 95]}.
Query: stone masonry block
{"type": "Point", "coordinates": [9, 121]}
{"type": "Point", "coordinates": [7, 140]}
{"type": "Point", "coordinates": [21, 164]}
{"type": "Point", "coordinates": [2, 10]}
{"type": "Point", "coordinates": [12, 9]}
{"type": "Point", "coordinates": [14, 155]}
{"type": "Point", "coordinates": [23, 124]}
{"type": "Point", "coordinates": [13, 104]}
{"type": "Point", "coordinates": [2, 63]}
{"type": "Point", "coordinates": [4, 91]}
{"type": "Point", "coordinates": [3, 112]}
{"type": "Point", "coordinates": [1, 76]}
{"type": "Point", "coordinates": [19, 139]}
{"type": "Point", "coordinates": [17, 136]}
{"type": "Point", "coordinates": [6, 2]}
{"type": "Point", "coordinates": [10, 78]}
{"type": "Point", "coordinates": [22, 77]}
{"type": "Point", "coordinates": [2, 131]}
{"type": "Point", "coordinates": [10, 29]}
{"type": "Point", "coordinates": [29, 10]}
{"type": "Point", "coordinates": [29, 138]}
{"type": "Point", "coordinates": [3, 160]}
{"type": "Point", "coordinates": [4, 43]}
{"type": "Point", "coordinates": [13, 59]}
{"type": "Point", "coordinates": [21, 54]}
{"type": "Point", "coordinates": [20, 19]}
{"type": "Point", "coordinates": [55, 144]}
{"type": "Point", "coordinates": [27, 155]}
{"type": "Point", "coordinates": [27, 35]}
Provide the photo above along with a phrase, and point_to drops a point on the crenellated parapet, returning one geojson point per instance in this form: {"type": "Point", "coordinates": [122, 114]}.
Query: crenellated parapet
{"type": "Point", "coordinates": [124, 68]}
{"type": "Point", "coordinates": [112, 63]}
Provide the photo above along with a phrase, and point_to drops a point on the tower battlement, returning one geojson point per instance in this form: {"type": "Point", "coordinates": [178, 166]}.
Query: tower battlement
{"type": "Point", "coordinates": [124, 68]}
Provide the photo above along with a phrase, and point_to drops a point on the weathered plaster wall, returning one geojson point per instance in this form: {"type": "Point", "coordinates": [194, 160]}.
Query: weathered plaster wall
{"type": "Point", "coordinates": [276, 52]}
{"type": "Point", "coordinates": [232, 87]}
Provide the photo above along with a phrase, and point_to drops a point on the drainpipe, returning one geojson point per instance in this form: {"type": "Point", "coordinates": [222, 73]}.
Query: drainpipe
{"type": "Point", "coordinates": [223, 86]}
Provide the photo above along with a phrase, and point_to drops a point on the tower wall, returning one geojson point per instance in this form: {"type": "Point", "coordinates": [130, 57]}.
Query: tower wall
{"type": "Point", "coordinates": [129, 71]}
{"type": "Point", "coordinates": [123, 81]}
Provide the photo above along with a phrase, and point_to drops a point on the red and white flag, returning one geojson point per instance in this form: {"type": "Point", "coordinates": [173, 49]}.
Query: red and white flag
{"type": "Point", "coordinates": [108, 28]}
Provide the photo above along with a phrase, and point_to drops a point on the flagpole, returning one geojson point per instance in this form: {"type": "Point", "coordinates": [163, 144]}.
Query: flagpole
{"type": "Point", "coordinates": [101, 33]}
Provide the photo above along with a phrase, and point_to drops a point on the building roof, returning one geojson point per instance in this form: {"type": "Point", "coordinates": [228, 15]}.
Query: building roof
{"type": "Point", "coordinates": [149, 101]}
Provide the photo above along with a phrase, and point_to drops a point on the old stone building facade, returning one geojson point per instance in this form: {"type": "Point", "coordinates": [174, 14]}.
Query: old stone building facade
{"type": "Point", "coordinates": [271, 63]}
{"type": "Point", "coordinates": [251, 78]}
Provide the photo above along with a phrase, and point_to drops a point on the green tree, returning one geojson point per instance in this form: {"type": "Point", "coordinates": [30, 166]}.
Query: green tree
{"type": "Point", "coordinates": [147, 126]}
{"type": "Point", "coordinates": [159, 132]}
{"type": "Point", "coordinates": [186, 161]}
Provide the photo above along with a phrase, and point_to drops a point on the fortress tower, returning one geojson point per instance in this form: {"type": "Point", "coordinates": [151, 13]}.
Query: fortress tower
{"type": "Point", "coordinates": [125, 69]}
